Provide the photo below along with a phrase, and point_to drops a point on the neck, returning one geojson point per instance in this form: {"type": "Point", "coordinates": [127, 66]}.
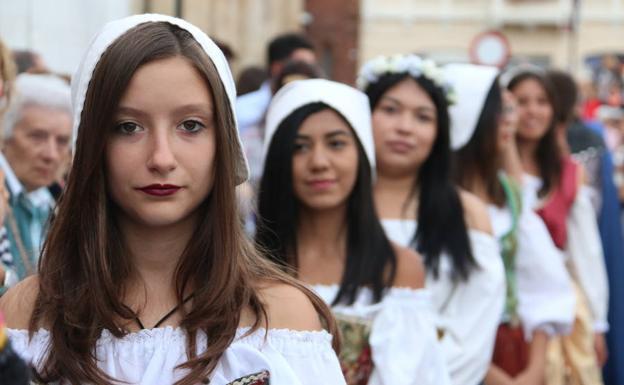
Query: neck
{"type": "Point", "coordinates": [322, 234]}
{"type": "Point", "coordinates": [527, 149]}
{"type": "Point", "coordinates": [155, 252]}
{"type": "Point", "coordinates": [392, 195]}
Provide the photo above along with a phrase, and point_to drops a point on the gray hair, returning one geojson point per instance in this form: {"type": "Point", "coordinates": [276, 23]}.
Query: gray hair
{"type": "Point", "coordinates": [47, 91]}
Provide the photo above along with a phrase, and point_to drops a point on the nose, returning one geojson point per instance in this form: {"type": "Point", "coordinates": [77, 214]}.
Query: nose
{"type": "Point", "coordinates": [405, 123]}
{"type": "Point", "coordinates": [319, 159]}
{"type": "Point", "coordinates": [51, 151]}
{"type": "Point", "coordinates": [161, 158]}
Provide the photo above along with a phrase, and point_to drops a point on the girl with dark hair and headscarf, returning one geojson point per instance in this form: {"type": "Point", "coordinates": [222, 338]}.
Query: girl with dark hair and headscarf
{"type": "Point", "coordinates": [317, 219]}
{"type": "Point", "coordinates": [539, 302]}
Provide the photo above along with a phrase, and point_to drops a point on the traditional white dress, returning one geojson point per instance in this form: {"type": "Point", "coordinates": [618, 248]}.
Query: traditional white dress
{"type": "Point", "coordinates": [149, 357]}
{"type": "Point", "coordinates": [546, 299]}
{"type": "Point", "coordinates": [391, 342]}
{"type": "Point", "coordinates": [583, 251]}
{"type": "Point", "coordinates": [466, 313]}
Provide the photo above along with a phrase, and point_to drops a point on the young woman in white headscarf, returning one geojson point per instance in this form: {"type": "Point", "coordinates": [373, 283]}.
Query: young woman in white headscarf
{"type": "Point", "coordinates": [146, 276]}
{"type": "Point", "coordinates": [539, 302]}
{"type": "Point", "coordinates": [317, 217]}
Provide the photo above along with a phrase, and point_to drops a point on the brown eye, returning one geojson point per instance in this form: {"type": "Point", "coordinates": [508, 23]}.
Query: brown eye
{"type": "Point", "coordinates": [128, 128]}
{"type": "Point", "coordinates": [191, 126]}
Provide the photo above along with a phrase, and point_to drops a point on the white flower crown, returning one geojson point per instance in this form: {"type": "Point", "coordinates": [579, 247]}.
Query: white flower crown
{"type": "Point", "coordinates": [397, 64]}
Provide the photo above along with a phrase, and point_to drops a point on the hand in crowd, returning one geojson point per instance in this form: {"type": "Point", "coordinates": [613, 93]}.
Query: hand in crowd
{"type": "Point", "coordinates": [496, 376]}
{"type": "Point", "coordinates": [600, 346]}
{"type": "Point", "coordinates": [529, 377]}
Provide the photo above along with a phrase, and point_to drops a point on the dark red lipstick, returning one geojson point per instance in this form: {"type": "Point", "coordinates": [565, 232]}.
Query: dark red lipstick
{"type": "Point", "coordinates": [160, 190]}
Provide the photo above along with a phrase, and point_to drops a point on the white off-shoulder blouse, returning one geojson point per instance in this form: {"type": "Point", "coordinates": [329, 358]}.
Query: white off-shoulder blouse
{"type": "Point", "coordinates": [149, 357]}
{"type": "Point", "coordinates": [391, 342]}
{"type": "Point", "coordinates": [546, 299]}
{"type": "Point", "coordinates": [583, 250]}
{"type": "Point", "coordinates": [466, 312]}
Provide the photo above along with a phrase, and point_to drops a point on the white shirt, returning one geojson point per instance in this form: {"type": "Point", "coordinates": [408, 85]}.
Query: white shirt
{"type": "Point", "coordinates": [583, 250]}
{"type": "Point", "coordinates": [251, 108]}
{"type": "Point", "coordinates": [467, 311]}
{"type": "Point", "coordinates": [546, 299]}
{"type": "Point", "coordinates": [149, 357]}
{"type": "Point", "coordinates": [39, 198]}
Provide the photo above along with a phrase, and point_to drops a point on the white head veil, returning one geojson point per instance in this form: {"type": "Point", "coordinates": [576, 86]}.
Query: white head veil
{"type": "Point", "coordinates": [471, 84]}
{"type": "Point", "coordinates": [350, 103]}
{"type": "Point", "coordinates": [112, 31]}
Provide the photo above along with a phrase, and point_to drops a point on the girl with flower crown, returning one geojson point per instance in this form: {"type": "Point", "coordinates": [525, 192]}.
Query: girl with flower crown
{"type": "Point", "coordinates": [539, 302]}
{"type": "Point", "coordinates": [317, 217]}
{"type": "Point", "coordinates": [146, 276]}
{"type": "Point", "coordinates": [421, 208]}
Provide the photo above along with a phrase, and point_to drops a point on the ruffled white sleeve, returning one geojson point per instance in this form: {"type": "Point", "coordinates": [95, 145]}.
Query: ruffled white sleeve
{"type": "Point", "coordinates": [584, 248]}
{"type": "Point", "coordinates": [403, 341]}
{"type": "Point", "coordinates": [291, 358]}
{"type": "Point", "coordinates": [546, 299]}
{"type": "Point", "coordinates": [469, 312]}
{"type": "Point", "coordinates": [150, 357]}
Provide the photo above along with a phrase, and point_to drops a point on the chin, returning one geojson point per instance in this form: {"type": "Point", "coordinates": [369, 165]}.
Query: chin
{"type": "Point", "coordinates": [160, 218]}
{"type": "Point", "coordinates": [324, 204]}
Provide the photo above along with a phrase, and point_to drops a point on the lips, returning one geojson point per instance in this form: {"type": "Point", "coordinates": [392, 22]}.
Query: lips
{"type": "Point", "coordinates": [321, 184]}
{"type": "Point", "coordinates": [400, 146]}
{"type": "Point", "coordinates": [160, 190]}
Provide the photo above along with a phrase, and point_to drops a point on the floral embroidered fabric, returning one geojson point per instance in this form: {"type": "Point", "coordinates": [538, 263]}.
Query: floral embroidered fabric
{"type": "Point", "coordinates": [356, 355]}
{"type": "Point", "coordinates": [261, 378]}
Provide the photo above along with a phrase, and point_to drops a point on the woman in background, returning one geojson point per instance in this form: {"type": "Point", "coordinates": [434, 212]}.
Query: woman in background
{"type": "Point", "coordinates": [539, 301]}
{"type": "Point", "coordinates": [317, 219]}
{"type": "Point", "coordinates": [421, 208]}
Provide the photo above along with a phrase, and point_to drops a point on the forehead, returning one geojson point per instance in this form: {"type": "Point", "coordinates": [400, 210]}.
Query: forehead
{"type": "Point", "coordinates": [529, 86]}
{"type": "Point", "coordinates": [324, 122]}
{"type": "Point", "coordinates": [409, 93]}
{"type": "Point", "coordinates": [34, 115]}
{"type": "Point", "coordinates": [166, 82]}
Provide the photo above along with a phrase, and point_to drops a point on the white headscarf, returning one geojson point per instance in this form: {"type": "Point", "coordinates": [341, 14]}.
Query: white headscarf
{"type": "Point", "coordinates": [471, 84]}
{"type": "Point", "coordinates": [352, 104]}
{"type": "Point", "coordinates": [113, 30]}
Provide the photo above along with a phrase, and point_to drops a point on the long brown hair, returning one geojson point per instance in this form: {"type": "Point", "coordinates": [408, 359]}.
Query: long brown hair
{"type": "Point", "coordinates": [83, 270]}
{"type": "Point", "coordinates": [548, 154]}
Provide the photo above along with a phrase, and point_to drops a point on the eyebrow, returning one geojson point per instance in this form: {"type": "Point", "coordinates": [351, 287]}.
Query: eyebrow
{"type": "Point", "coordinates": [332, 134]}
{"type": "Point", "coordinates": [397, 101]}
{"type": "Point", "coordinates": [198, 108]}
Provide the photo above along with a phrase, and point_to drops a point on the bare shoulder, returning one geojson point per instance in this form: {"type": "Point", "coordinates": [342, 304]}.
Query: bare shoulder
{"type": "Point", "coordinates": [475, 212]}
{"type": "Point", "coordinates": [288, 307]}
{"type": "Point", "coordinates": [410, 268]}
{"type": "Point", "coordinates": [18, 303]}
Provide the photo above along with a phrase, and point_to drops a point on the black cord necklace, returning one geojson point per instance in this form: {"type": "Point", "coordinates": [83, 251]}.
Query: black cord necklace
{"type": "Point", "coordinates": [166, 316]}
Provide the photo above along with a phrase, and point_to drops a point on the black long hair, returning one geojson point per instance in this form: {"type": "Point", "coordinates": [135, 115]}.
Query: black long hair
{"type": "Point", "coordinates": [441, 224]}
{"type": "Point", "coordinates": [371, 260]}
{"type": "Point", "coordinates": [548, 153]}
{"type": "Point", "coordinates": [479, 157]}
